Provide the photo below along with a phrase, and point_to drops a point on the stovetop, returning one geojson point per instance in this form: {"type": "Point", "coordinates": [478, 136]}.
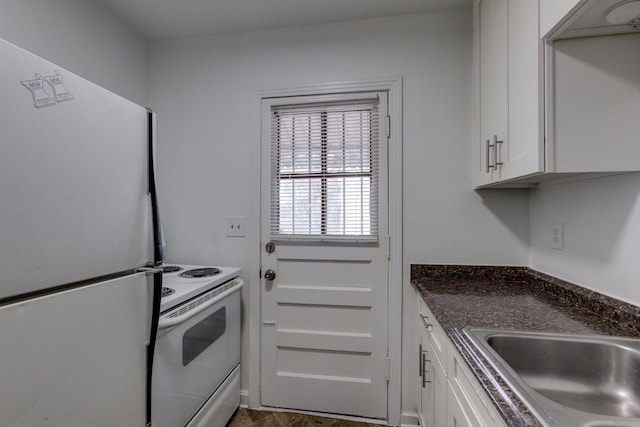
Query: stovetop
{"type": "Point", "coordinates": [186, 287]}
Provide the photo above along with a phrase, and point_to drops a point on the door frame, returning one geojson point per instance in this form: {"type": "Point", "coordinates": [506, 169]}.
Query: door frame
{"type": "Point", "coordinates": [251, 396]}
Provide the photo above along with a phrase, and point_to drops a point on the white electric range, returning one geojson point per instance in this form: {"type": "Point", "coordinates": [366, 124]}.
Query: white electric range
{"type": "Point", "coordinates": [196, 373]}
{"type": "Point", "coordinates": [182, 282]}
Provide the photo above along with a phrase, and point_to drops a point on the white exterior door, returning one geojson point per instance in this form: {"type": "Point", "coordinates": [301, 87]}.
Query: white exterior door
{"type": "Point", "coordinates": [325, 313]}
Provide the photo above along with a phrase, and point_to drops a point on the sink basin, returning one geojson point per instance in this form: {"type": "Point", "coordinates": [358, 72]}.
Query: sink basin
{"type": "Point", "coordinates": [568, 380]}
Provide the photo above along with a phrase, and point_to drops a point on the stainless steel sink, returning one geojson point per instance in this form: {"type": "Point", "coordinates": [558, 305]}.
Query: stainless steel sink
{"type": "Point", "coordinates": [568, 380]}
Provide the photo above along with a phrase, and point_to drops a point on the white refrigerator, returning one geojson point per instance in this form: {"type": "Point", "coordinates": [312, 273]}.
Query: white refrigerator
{"type": "Point", "coordinates": [79, 237]}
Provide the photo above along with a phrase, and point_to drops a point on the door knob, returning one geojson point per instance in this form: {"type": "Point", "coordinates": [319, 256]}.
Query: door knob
{"type": "Point", "coordinates": [270, 274]}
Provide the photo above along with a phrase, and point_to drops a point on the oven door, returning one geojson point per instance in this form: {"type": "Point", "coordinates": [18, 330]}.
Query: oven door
{"type": "Point", "coordinates": [193, 358]}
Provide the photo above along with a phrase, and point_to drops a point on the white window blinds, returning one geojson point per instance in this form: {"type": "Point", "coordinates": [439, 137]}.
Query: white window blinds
{"type": "Point", "coordinates": [324, 170]}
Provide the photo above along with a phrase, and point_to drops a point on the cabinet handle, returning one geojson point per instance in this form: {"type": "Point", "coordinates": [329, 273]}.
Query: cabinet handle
{"type": "Point", "coordinates": [424, 370]}
{"type": "Point", "coordinates": [427, 325]}
{"type": "Point", "coordinates": [420, 359]}
{"type": "Point", "coordinates": [489, 166]}
{"type": "Point", "coordinates": [495, 151]}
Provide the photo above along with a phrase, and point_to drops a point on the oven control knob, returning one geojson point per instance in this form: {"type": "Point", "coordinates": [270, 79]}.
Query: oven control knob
{"type": "Point", "coordinates": [270, 274]}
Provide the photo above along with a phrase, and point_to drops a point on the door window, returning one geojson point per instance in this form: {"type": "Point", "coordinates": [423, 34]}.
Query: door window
{"type": "Point", "coordinates": [324, 169]}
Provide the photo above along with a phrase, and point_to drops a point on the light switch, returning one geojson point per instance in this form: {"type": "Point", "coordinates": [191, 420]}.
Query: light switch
{"type": "Point", "coordinates": [236, 226]}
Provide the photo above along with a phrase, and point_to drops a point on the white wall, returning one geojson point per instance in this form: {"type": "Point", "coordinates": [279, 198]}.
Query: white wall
{"type": "Point", "coordinates": [204, 91]}
{"type": "Point", "coordinates": [601, 234]}
{"type": "Point", "coordinates": [82, 36]}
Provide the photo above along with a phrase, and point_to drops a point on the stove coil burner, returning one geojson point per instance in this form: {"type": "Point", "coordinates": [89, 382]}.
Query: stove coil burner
{"type": "Point", "coordinates": [200, 272]}
{"type": "Point", "coordinates": [167, 291]}
{"type": "Point", "coordinates": [171, 268]}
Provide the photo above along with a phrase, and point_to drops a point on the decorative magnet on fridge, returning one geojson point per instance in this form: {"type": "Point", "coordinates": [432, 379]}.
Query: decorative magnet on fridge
{"type": "Point", "coordinates": [60, 92]}
{"type": "Point", "coordinates": [41, 97]}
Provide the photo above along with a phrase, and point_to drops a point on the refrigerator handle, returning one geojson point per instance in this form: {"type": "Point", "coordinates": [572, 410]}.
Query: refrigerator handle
{"type": "Point", "coordinates": [157, 259]}
{"type": "Point", "coordinates": [155, 212]}
{"type": "Point", "coordinates": [148, 270]}
{"type": "Point", "coordinates": [155, 317]}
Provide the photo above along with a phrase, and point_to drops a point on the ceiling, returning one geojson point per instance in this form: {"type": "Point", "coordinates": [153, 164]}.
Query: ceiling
{"type": "Point", "coordinates": [165, 19]}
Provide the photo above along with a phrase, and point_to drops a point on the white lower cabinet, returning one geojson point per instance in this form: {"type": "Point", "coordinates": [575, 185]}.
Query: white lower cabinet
{"type": "Point", "coordinates": [448, 393]}
{"type": "Point", "coordinates": [473, 402]}
{"type": "Point", "coordinates": [433, 379]}
{"type": "Point", "coordinates": [456, 415]}
{"type": "Point", "coordinates": [426, 385]}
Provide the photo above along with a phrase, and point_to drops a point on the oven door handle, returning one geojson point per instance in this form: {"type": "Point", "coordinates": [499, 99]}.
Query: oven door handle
{"type": "Point", "coordinates": [169, 322]}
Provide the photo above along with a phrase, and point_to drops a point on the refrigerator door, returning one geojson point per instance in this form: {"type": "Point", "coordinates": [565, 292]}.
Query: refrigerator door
{"type": "Point", "coordinates": [76, 358]}
{"type": "Point", "coordinates": [73, 177]}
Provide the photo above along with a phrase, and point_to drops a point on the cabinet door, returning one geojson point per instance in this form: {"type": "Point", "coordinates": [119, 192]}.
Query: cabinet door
{"type": "Point", "coordinates": [426, 383]}
{"type": "Point", "coordinates": [492, 47]}
{"type": "Point", "coordinates": [510, 91]}
{"type": "Point", "coordinates": [523, 150]}
{"type": "Point", "coordinates": [456, 415]}
{"type": "Point", "coordinates": [440, 394]}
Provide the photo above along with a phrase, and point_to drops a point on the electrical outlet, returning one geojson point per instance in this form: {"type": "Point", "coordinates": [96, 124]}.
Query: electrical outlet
{"type": "Point", "coordinates": [557, 235]}
{"type": "Point", "coordinates": [236, 226]}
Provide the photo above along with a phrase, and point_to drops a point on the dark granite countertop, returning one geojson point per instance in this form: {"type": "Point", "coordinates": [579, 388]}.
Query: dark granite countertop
{"type": "Point", "coordinates": [515, 298]}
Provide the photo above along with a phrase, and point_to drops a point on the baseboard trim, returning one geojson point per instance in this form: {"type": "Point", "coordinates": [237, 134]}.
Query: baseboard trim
{"type": "Point", "coordinates": [409, 419]}
{"type": "Point", "coordinates": [244, 398]}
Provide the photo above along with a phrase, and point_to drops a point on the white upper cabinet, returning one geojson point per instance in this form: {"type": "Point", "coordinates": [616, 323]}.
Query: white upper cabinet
{"type": "Point", "coordinates": [492, 44]}
{"type": "Point", "coordinates": [561, 19]}
{"type": "Point", "coordinates": [554, 108]}
{"type": "Point", "coordinates": [594, 105]}
{"type": "Point", "coordinates": [524, 153]}
{"type": "Point", "coordinates": [493, 31]}
{"type": "Point", "coordinates": [508, 91]}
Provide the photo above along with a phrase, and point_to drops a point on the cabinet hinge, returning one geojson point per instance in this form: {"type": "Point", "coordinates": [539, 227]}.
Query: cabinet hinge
{"type": "Point", "coordinates": [388, 378]}
{"type": "Point", "coordinates": [388, 127]}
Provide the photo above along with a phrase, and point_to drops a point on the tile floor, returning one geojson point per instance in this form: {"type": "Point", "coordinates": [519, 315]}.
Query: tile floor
{"type": "Point", "coordinates": [251, 418]}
